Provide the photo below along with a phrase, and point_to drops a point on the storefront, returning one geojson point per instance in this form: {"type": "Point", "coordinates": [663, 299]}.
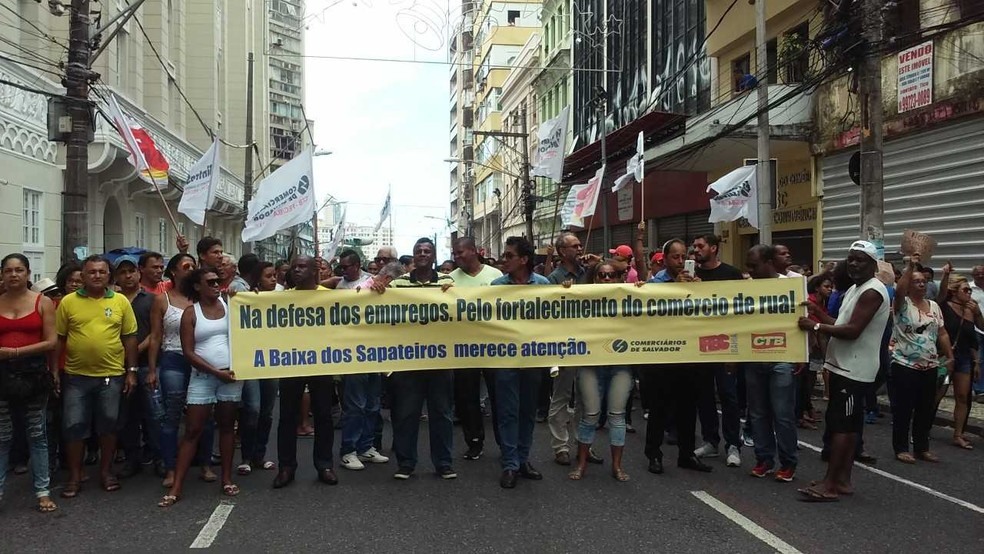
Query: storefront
{"type": "Point", "coordinates": [934, 183]}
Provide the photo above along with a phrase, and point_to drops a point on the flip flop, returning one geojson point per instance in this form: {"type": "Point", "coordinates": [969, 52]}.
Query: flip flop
{"type": "Point", "coordinates": [905, 458]}
{"type": "Point", "coordinates": [168, 500]}
{"type": "Point", "coordinates": [46, 507]}
{"type": "Point", "coordinates": [208, 476]}
{"type": "Point", "coordinates": [71, 490]}
{"type": "Point", "coordinates": [813, 495]}
{"type": "Point", "coordinates": [818, 482]}
{"type": "Point", "coordinates": [620, 475]}
{"type": "Point", "coordinates": [110, 484]}
{"type": "Point", "coordinates": [269, 465]}
{"type": "Point", "coordinates": [576, 475]}
{"type": "Point", "coordinates": [244, 469]}
{"type": "Point", "coordinates": [961, 442]}
{"type": "Point", "coordinates": [230, 490]}
{"type": "Point", "coordinates": [928, 457]}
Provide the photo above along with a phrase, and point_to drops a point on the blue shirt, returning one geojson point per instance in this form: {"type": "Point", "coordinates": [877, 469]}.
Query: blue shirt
{"type": "Point", "coordinates": [661, 277]}
{"type": "Point", "coordinates": [535, 279]}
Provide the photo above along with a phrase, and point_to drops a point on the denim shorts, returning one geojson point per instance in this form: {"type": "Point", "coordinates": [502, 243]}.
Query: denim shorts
{"type": "Point", "coordinates": [88, 397]}
{"type": "Point", "coordinates": [205, 388]}
{"type": "Point", "coordinates": [963, 364]}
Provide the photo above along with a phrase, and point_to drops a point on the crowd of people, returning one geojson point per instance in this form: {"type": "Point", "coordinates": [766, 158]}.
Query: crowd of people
{"type": "Point", "coordinates": [125, 365]}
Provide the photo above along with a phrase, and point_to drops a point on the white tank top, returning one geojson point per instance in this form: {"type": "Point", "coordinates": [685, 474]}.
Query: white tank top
{"type": "Point", "coordinates": [212, 337]}
{"type": "Point", "coordinates": [860, 358]}
{"type": "Point", "coordinates": [171, 341]}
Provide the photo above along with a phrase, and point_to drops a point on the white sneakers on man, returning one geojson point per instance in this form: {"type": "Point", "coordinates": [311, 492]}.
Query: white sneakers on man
{"type": "Point", "coordinates": [351, 461]}
{"type": "Point", "coordinates": [373, 457]}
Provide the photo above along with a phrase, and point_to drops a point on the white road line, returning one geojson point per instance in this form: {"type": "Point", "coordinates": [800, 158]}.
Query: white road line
{"type": "Point", "coordinates": [917, 486]}
{"type": "Point", "coordinates": [753, 528]}
{"type": "Point", "coordinates": [212, 527]}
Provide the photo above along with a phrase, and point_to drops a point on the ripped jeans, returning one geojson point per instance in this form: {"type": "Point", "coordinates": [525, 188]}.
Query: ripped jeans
{"type": "Point", "coordinates": [35, 411]}
{"type": "Point", "coordinates": [619, 387]}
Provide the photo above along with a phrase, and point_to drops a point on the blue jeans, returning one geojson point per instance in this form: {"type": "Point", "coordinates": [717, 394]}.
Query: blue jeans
{"type": "Point", "coordinates": [37, 439]}
{"type": "Point", "coordinates": [603, 382]}
{"type": "Point", "coordinates": [142, 416]}
{"type": "Point", "coordinates": [256, 418]}
{"type": "Point", "coordinates": [410, 390]}
{"type": "Point", "coordinates": [516, 401]}
{"type": "Point", "coordinates": [772, 406]}
{"type": "Point", "coordinates": [174, 373]}
{"type": "Point", "coordinates": [360, 411]}
{"type": "Point", "coordinates": [979, 384]}
{"type": "Point", "coordinates": [91, 402]}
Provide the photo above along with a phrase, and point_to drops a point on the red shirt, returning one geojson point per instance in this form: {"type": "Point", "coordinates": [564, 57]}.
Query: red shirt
{"type": "Point", "coordinates": [23, 331]}
{"type": "Point", "coordinates": [161, 288]}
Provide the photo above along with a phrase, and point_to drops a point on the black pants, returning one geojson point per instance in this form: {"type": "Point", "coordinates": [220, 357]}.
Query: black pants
{"type": "Point", "coordinates": [291, 392]}
{"type": "Point", "coordinates": [715, 378]}
{"type": "Point", "coordinates": [468, 404]}
{"type": "Point", "coordinates": [671, 389]}
{"type": "Point", "coordinates": [913, 401]}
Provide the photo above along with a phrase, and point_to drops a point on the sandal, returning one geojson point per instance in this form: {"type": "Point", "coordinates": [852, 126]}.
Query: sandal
{"type": "Point", "coordinates": [71, 490]}
{"type": "Point", "coordinates": [244, 469]}
{"type": "Point", "coordinates": [269, 465]}
{"type": "Point", "coordinates": [961, 442]}
{"type": "Point", "coordinates": [620, 475]}
{"type": "Point", "coordinates": [208, 475]}
{"type": "Point", "coordinates": [928, 457]}
{"type": "Point", "coordinates": [230, 490]}
{"type": "Point", "coordinates": [576, 475]}
{"type": "Point", "coordinates": [905, 458]}
{"type": "Point", "coordinates": [110, 483]}
{"type": "Point", "coordinates": [46, 506]}
{"type": "Point", "coordinates": [813, 495]}
{"type": "Point", "coordinates": [168, 500]}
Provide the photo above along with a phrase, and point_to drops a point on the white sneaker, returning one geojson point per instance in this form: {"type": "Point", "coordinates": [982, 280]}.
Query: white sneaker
{"type": "Point", "coordinates": [734, 457]}
{"type": "Point", "coordinates": [706, 450]}
{"type": "Point", "coordinates": [351, 461]}
{"type": "Point", "coordinates": [373, 457]}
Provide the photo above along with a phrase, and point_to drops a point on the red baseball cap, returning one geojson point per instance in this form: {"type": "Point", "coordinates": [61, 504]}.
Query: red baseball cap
{"type": "Point", "coordinates": [622, 250]}
{"type": "Point", "coordinates": [657, 257]}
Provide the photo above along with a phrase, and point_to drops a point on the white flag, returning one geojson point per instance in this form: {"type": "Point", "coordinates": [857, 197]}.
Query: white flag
{"type": "Point", "coordinates": [736, 196]}
{"type": "Point", "coordinates": [587, 198]}
{"type": "Point", "coordinates": [199, 191]}
{"type": "Point", "coordinates": [384, 213]}
{"type": "Point", "coordinates": [151, 165]}
{"type": "Point", "coordinates": [550, 147]}
{"type": "Point", "coordinates": [635, 167]}
{"type": "Point", "coordinates": [337, 237]}
{"type": "Point", "coordinates": [283, 199]}
{"type": "Point", "coordinates": [567, 217]}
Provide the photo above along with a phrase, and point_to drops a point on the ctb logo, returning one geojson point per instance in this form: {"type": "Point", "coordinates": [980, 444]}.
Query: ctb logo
{"type": "Point", "coordinates": [620, 346]}
{"type": "Point", "coordinates": [768, 341]}
{"type": "Point", "coordinates": [714, 343]}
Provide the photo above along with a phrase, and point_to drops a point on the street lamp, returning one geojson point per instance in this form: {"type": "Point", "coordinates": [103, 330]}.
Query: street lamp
{"type": "Point", "coordinates": [323, 152]}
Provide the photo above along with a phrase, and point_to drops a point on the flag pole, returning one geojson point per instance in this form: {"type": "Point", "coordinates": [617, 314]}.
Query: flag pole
{"type": "Point", "coordinates": [553, 224]}
{"type": "Point", "coordinates": [170, 214]}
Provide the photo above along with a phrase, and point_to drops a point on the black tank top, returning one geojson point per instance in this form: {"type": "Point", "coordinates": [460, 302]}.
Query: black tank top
{"type": "Point", "coordinates": [961, 331]}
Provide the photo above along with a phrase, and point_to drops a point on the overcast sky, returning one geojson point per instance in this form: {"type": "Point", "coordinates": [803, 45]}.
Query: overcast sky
{"type": "Point", "coordinates": [386, 123]}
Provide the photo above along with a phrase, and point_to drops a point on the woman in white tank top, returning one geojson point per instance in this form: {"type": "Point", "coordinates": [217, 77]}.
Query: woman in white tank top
{"type": "Point", "coordinates": [205, 344]}
{"type": "Point", "coordinates": [168, 366]}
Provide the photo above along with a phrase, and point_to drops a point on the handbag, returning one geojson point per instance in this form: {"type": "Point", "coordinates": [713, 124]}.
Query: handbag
{"type": "Point", "coordinates": [24, 379]}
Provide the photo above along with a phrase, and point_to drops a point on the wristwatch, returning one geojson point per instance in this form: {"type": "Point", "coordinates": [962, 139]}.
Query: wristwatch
{"type": "Point", "coordinates": [816, 328]}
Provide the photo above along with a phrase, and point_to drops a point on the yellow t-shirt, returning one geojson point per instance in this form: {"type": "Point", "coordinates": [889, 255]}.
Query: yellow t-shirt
{"type": "Point", "coordinates": [93, 328]}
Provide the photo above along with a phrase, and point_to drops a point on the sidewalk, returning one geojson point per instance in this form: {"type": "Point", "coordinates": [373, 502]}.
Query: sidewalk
{"type": "Point", "coordinates": [944, 416]}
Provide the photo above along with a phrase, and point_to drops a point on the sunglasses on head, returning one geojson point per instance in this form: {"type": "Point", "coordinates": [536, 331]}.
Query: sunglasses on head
{"type": "Point", "coordinates": [610, 274]}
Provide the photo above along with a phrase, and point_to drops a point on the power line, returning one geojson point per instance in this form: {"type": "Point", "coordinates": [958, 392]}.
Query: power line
{"type": "Point", "coordinates": [43, 35]}
{"type": "Point", "coordinates": [426, 62]}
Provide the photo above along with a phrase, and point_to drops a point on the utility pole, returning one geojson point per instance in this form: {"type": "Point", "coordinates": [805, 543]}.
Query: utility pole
{"type": "Point", "coordinates": [75, 197]}
{"type": "Point", "coordinates": [603, 130]}
{"type": "Point", "coordinates": [764, 173]}
{"type": "Point", "coordinates": [248, 170]}
{"type": "Point", "coordinates": [872, 129]}
{"type": "Point", "coordinates": [529, 186]}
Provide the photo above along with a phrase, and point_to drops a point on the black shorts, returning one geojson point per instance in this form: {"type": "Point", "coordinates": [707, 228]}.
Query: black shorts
{"type": "Point", "coordinates": [845, 411]}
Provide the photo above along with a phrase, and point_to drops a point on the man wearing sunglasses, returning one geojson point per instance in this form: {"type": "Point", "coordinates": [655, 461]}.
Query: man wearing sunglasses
{"type": "Point", "coordinates": [517, 388]}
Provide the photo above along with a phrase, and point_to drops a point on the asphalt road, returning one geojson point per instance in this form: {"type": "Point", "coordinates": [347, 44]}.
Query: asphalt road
{"type": "Point", "coordinates": [897, 508]}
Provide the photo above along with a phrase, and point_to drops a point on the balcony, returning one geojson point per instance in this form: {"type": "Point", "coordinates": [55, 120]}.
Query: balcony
{"type": "Point", "coordinates": [790, 125]}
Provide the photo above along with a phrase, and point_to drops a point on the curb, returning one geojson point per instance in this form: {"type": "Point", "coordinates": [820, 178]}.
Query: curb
{"type": "Point", "coordinates": [943, 419]}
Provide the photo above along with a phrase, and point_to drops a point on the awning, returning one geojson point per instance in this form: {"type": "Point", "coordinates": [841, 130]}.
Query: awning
{"type": "Point", "coordinates": [622, 142]}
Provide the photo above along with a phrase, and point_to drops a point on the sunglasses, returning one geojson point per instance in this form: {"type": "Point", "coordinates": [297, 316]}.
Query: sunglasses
{"type": "Point", "coordinates": [212, 282]}
{"type": "Point", "coordinates": [966, 289]}
{"type": "Point", "coordinates": [384, 260]}
{"type": "Point", "coordinates": [187, 266]}
{"type": "Point", "coordinates": [610, 274]}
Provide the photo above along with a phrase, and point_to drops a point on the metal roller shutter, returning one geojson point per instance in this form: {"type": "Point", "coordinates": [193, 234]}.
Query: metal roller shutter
{"type": "Point", "coordinates": [934, 183]}
{"type": "Point", "coordinates": [673, 227]}
{"type": "Point", "coordinates": [697, 225]}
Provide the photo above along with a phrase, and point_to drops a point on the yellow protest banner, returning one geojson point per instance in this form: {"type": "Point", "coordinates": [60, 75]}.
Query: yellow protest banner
{"type": "Point", "coordinates": [297, 333]}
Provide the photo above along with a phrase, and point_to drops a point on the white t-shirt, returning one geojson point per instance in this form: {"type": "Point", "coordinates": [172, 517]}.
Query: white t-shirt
{"type": "Point", "coordinates": [364, 281]}
{"type": "Point", "coordinates": [859, 359]}
{"type": "Point", "coordinates": [483, 279]}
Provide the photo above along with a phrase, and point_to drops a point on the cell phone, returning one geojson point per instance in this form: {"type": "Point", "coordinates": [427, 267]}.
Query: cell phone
{"type": "Point", "coordinates": [689, 266]}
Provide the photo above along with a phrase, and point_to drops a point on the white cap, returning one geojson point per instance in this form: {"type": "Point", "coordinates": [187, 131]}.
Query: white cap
{"type": "Point", "coordinates": [866, 247]}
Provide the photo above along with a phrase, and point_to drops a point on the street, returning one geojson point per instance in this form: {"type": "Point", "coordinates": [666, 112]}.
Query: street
{"type": "Point", "coordinates": [897, 508]}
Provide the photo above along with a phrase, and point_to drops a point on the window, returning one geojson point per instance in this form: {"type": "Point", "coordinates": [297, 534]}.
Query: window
{"type": "Point", "coordinates": [140, 237]}
{"type": "Point", "coordinates": [741, 77]}
{"type": "Point", "coordinates": [794, 54]}
{"type": "Point", "coordinates": [162, 238]}
{"type": "Point", "coordinates": [512, 16]}
{"type": "Point", "coordinates": [32, 222]}
{"type": "Point", "coordinates": [771, 61]}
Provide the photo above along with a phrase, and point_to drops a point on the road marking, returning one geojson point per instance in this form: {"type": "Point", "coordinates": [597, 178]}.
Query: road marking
{"type": "Point", "coordinates": [212, 527]}
{"type": "Point", "coordinates": [753, 528]}
{"type": "Point", "coordinates": [904, 481]}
